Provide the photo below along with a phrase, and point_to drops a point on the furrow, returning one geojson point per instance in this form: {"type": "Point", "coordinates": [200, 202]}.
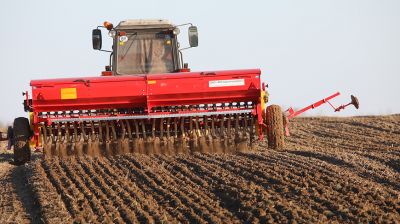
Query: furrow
{"type": "Point", "coordinates": [158, 185]}
{"type": "Point", "coordinates": [181, 174]}
{"type": "Point", "coordinates": [68, 191]}
{"type": "Point", "coordinates": [166, 202]}
{"type": "Point", "coordinates": [243, 198]}
{"type": "Point", "coordinates": [146, 205]}
{"type": "Point", "coordinates": [89, 197]}
{"type": "Point", "coordinates": [290, 187]}
{"type": "Point", "coordinates": [121, 188]}
{"type": "Point", "coordinates": [201, 206]}
{"type": "Point", "coordinates": [52, 207]}
{"type": "Point", "coordinates": [125, 213]}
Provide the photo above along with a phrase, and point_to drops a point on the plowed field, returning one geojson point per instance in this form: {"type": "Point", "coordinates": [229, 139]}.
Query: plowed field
{"type": "Point", "coordinates": [331, 170]}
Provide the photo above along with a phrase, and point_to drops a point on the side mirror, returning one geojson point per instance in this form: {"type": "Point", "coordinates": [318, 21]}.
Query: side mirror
{"type": "Point", "coordinates": [96, 39]}
{"type": "Point", "coordinates": [193, 36]}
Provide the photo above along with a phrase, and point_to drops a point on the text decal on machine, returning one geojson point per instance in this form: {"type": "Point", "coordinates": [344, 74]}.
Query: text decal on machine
{"type": "Point", "coordinates": [227, 82]}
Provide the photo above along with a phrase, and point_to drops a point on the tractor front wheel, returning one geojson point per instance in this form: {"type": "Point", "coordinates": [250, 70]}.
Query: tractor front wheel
{"type": "Point", "coordinates": [275, 130]}
{"type": "Point", "coordinates": [22, 135]}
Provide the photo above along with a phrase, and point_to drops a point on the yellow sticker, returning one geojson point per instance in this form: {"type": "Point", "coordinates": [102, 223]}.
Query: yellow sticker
{"type": "Point", "coordinates": [151, 82]}
{"type": "Point", "coordinates": [68, 93]}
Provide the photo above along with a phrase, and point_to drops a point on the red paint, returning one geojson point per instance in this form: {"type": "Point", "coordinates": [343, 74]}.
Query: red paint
{"type": "Point", "coordinates": [145, 91]}
{"type": "Point", "coordinates": [293, 113]}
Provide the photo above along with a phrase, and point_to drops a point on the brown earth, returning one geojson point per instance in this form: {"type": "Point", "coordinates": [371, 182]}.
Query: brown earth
{"type": "Point", "coordinates": [343, 170]}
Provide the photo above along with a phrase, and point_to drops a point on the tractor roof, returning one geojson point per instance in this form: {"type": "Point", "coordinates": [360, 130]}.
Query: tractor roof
{"type": "Point", "coordinates": [144, 24]}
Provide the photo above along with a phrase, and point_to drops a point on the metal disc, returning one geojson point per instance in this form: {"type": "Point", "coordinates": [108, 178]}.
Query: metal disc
{"type": "Point", "coordinates": [355, 102]}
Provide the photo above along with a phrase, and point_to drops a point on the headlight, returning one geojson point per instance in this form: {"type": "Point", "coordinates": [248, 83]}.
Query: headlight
{"type": "Point", "coordinates": [176, 31]}
{"type": "Point", "coordinates": [111, 33]}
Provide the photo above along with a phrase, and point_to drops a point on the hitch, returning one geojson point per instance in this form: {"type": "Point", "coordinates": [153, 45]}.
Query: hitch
{"type": "Point", "coordinates": [291, 113]}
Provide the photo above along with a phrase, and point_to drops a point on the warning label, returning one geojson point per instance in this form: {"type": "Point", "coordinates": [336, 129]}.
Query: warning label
{"type": "Point", "coordinates": [68, 93]}
{"type": "Point", "coordinates": [227, 82]}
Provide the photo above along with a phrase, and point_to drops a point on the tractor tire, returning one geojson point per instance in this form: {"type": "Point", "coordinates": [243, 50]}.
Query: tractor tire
{"type": "Point", "coordinates": [22, 135]}
{"type": "Point", "coordinates": [275, 129]}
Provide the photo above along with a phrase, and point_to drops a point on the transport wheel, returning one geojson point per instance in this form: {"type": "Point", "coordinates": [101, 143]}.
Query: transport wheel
{"type": "Point", "coordinates": [22, 135]}
{"type": "Point", "coordinates": [275, 130]}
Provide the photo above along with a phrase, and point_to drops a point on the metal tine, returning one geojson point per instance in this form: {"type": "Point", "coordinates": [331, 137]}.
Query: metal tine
{"type": "Point", "coordinates": [46, 139]}
{"type": "Point", "coordinates": [245, 122]}
{"type": "Point", "coordinates": [48, 128]}
{"type": "Point", "coordinates": [51, 134]}
{"type": "Point", "coordinates": [83, 131]}
{"type": "Point", "coordinates": [168, 127]}
{"type": "Point", "coordinates": [107, 132]}
{"type": "Point", "coordinates": [213, 126]}
{"type": "Point", "coordinates": [190, 126]}
{"type": "Point", "coordinates": [251, 130]}
{"type": "Point", "coordinates": [59, 133]}
{"type": "Point", "coordinates": [205, 122]}
{"type": "Point", "coordinates": [113, 132]}
{"type": "Point", "coordinates": [161, 128]}
{"type": "Point", "coordinates": [198, 131]}
{"type": "Point", "coordinates": [143, 128]}
{"type": "Point", "coordinates": [136, 128]}
{"type": "Point", "coordinates": [93, 133]}
{"type": "Point", "coordinates": [153, 128]}
{"type": "Point", "coordinates": [222, 126]}
{"type": "Point", "coordinates": [101, 132]}
{"type": "Point", "coordinates": [76, 137]}
{"type": "Point", "coordinates": [123, 134]}
{"type": "Point", "coordinates": [176, 127]}
{"type": "Point", "coordinates": [67, 135]}
{"type": "Point", "coordinates": [182, 124]}
{"type": "Point", "coordinates": [237, 123]}
{"type": "Point", "coordinates": [237, 131]}
{"type": "Point", "coordinates": [128, 126]}
{"type": "Point", "coordinates": [229, 125]}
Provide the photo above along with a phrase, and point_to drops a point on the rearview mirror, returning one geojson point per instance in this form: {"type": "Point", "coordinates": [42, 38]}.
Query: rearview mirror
{"type": "Point", "coordinates": [193, 36]}
{"type": "Point", "coordinates": [96, 39]}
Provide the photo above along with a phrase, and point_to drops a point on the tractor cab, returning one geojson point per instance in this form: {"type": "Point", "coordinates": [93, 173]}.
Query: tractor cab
{"type": "Point", "coordinates": [144, 47]}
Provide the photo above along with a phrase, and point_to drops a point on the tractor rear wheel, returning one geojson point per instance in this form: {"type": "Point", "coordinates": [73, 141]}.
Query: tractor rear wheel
{"type": "Point", "coordinates": [22, 135]}
{"type": "Point", "coordinates": [275, 130]}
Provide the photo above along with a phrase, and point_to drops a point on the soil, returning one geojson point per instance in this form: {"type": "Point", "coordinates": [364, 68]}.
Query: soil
{"type": "Point", "coordinates": [16, 202]}
{"type": "Point", "coordinates": [343, 170]}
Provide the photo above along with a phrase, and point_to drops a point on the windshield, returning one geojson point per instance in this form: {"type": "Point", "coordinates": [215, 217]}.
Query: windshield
{"type": "Point", "coordinates": [145, 53]}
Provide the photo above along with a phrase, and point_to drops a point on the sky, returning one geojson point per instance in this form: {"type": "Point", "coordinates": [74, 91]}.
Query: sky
{"type": "Point", "coordinates": [307, 50]}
